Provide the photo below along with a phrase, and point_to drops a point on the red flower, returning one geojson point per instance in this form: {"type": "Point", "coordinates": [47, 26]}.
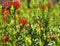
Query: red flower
{"type": "Point", "coordinates": [42, 7]}
{"type": "Point", "coordinates": [49, 5]}
{"type": "Point", "coordinates": [17, 4]}
{"type": "Point", "coordinates": [5, 4]}
{"type": "Point", "coordinates": [53, 36]}
{"type": "Point", "coordinates": [6, 12]}
{"type": "Point", "coordinates": [10, 3]}
{"type": "Point", "coordinates": [23, 20]}
{"type": "Point", "coordinates": [5, 39]}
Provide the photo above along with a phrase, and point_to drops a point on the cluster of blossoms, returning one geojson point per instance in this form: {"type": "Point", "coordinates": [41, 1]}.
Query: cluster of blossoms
{"type": "Point", "coordinates": [48, 5]}
{"type": "Point", "coordinates": [5, 39]}
{"type": "Point", "coordinates": [16, 3]}
{"type": "Point", "coordinates": [6, 5]}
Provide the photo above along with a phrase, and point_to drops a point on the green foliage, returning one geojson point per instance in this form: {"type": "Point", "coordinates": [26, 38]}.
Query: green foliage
{"type": "Point", "coordinates": [43, 24]}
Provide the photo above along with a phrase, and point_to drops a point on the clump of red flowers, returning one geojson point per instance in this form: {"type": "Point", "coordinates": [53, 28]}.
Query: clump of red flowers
{"type": "Point", "coordinates": [6, 12]}
{"type": "Point", "coordinates": [5, 39]}
{"type": "Point", "coordinates": [53, 36]}
{"type": "Point", "coordinates": [23, 20]}
{"type": "Point", "coordinates": [48, 5]}
{"type": "Point", "coordinates": [17, 3]}
{"type": "Point", "coordinates": [5, 4]}
{"type": "Point", "coordinates": [42, 7]}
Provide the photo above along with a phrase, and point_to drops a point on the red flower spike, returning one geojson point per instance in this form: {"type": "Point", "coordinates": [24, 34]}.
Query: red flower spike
{"type": "Point", "coordinates": [6, 12]}
{"type": "Point", "coordinates": [42, 7]}
{"type": "Point", "coordinates": [17, 4]}
{"type": "Point", "coordinates": [49, 5]}
{"type": "Point", "coordinates": [5, 39]}
{"type": "Point", "coordinates": [5, 4]}
{"type": "Point", "coordinates": [53, 36]}
{"type": "Point", "coordinates": [23, 20]}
